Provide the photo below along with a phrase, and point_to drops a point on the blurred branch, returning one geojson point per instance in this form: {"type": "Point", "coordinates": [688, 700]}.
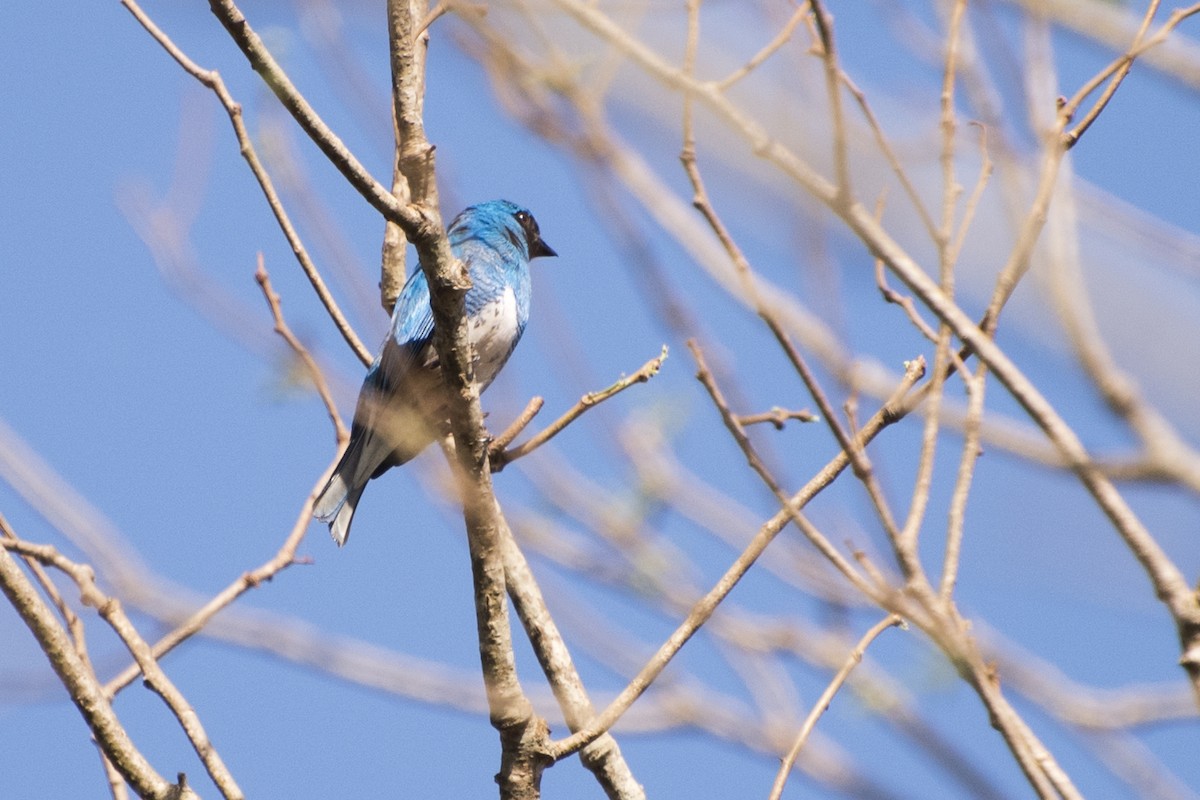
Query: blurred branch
{"type": "Point", "coordinates": [945, 360]}
{"type": "Point", "coordinates": [704, 608]}
{"type": "Point", "coordinates": [197, 619]}
{"type": "Point", "coordinates": [781, 38]}
{"type": "Point", "coordinates": [833, 88]}
{"type": "Point", "coordinates": [700, 200]}
{"type": "Point", "coordinates": [1169, 584]}
{"type": "Point", "coordinates": [212, 80]}
{"type": "Point", "coordinates": [705, 376]}
{"type": "Point", "coordinates": [251, 45]}
{"type": "Point", "coordinates": [971, 450]}
{"type": "Point", "coordinates": [776, 416]}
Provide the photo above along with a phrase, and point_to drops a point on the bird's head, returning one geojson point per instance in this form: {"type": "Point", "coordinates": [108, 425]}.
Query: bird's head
{"type": "Point", "coordinates": [501, 217]}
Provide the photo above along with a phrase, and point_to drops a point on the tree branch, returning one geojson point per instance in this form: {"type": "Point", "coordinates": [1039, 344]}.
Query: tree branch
{"type": "Point", "coordinates": [212, 79]}
{"type": "Point", "coordinates": [501, 457]}
{"type": "Point", "coordinates": [82, 686]}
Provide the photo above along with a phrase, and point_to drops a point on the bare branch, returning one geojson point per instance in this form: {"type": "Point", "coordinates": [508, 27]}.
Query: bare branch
{"type": "Point", "coordinates": [212, 80]}
{"type": "Point", "coordinates": [199, 618]}
{"type": "Point", "coordinates": [110, 609]}
{"type": "Point", "coordinates": [773, 46]}
{"type": "Point", "coordinates": [310, 364]}
{"type": "Point", "coordinates": [777, 417]}
{"type": "Point", "coordinates": [514, 429]}
{"type": "Point", "coordinates": [826, 698]}
{"type": "Point", "coordinates": [306, 116]}
{"type": "Point", "coordinates": [704, 607]}
{"type": "Point", "coordinates": [501, 457]}
{"type": "Point", "coordinates": [85, 691]}
{"type": "Point", "coordinates": [1115, 73]}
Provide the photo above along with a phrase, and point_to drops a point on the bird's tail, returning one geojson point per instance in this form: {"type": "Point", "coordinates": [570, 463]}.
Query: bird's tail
{"type": "Point", "coordinates": [336, 503]}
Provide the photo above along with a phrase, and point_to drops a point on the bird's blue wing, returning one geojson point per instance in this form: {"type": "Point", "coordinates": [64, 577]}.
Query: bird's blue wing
{"type": "Point", "coordinates": [408, 342]}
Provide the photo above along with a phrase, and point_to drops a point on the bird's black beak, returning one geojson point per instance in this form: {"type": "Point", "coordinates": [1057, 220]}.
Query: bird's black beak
{"type": "Point", "coordinates": [540, 248]}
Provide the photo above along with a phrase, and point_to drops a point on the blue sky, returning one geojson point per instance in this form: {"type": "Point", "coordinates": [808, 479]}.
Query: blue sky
{"type": "Point", "coordinates": [167, 403]}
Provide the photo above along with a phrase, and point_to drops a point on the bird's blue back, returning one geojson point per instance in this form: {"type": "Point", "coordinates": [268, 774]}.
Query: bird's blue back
{"type": "Point", "coordinates": [489, 241]}
{"type": "Point", "coordinates": [401, 406]}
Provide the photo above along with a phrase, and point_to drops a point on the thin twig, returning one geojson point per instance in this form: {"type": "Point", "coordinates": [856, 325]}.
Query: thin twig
{"type": "Point", "coordinates": [858, 458]}
{"type": "Point", "coordinates": [380, 197]}
{"type": "Point", "coordinates": [644, 373]}
{"type": "Point", "coordinates": [810, 722]}
{"type": "Point", "coordinates": [705, 376]}
{"type": "Point", "coordinates": [776, 416]}
{"type": "Point", "coordinates": [1120, 68]}
{"type": "Point", "coordinates": [956, 516]}
{"type": "Point", "coordinates": [514, 429]}
{"type": "Point", "coordinates": [110, 609]}
{"type": "Point", "coordinates": [833, 87]}
{"type": "Point", "coordinates": [943, 353]}
{"type": "Point", "coordinates": [310, 364]}
{"type": "Point", "coordinates": [212, 80]}
{"type": "Point", "coordinates": [451, 6]}
{"type": "Point", "coordinates": [781, 38]}
{"type": "Point", "coordinates": [82, 686]}
{"type": "Point", "coordinates": [889, 153]}
{"type": "Point", "coordinates": [116, 784]}
{"type": "Point", "coordinates": [985, 173]}
{"type": "Point", "coordinates": [285, 557]}
{"type": "Point", "coordinates": [702, 610]}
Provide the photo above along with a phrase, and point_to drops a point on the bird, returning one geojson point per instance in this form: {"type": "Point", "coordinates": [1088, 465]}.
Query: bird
{"type": "Point", "coordinates": [401, 409]}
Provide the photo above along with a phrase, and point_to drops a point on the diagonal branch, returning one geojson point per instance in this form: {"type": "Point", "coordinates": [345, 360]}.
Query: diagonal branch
{"type": "Point", "coordinates": [810, 722]}
{"type": "Point", "coordinates": [85, 691]}
{"type": "Point", "coordinates": [500, 457]}
{"type": "Point", "coordinates": [212, 80]}
{"type": "Point", "coordinates": [263, 279]}
{"type": "Point", "coordinates": [1168, 582]}
{"type": "Point", "coordinates": [703, 609]}
{"type": "Point", "coordinates": [306, 116]}
{"type": "Point", "coordinates": [110, 609]}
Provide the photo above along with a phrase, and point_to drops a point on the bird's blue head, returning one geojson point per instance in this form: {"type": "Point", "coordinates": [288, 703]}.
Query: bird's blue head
{"type": "Point", "coordinates": [500, 218]}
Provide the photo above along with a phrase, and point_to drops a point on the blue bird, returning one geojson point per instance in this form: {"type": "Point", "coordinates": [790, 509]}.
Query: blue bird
{"type": "Point", "coordinates": [401, 408]}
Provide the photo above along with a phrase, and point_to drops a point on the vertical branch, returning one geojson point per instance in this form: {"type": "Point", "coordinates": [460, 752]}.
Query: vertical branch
{"type": "Point", "coordinates": [942, 353]}
{"type": "Point", "coordinates": [602, 756]}
{"type": "Point", "coordinates": [522, 733]}
{"type": "Point", "coordinates": [962, 484]}
{"type": "Point", "coordinates": [700, 200]}
{"type": "Point", "coordinates": [412, 178]}
{"type": "Point", "coordinates": [833, 86]}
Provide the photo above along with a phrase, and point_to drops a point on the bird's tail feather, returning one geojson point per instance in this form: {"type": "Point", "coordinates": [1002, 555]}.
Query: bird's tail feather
{"type": "Point", "coordinates": [337, 501]}
{"type": "Point", "coordinates": [331, 498]}
{"type": "Point", "coordinates": [335, 506]}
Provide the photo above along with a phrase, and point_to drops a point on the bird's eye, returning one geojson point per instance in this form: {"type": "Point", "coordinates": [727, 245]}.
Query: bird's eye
{"type": "Point", "coordinates": [522, 217]}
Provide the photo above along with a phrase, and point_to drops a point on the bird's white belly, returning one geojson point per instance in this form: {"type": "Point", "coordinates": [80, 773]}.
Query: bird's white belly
{"type": "Point", "coordinates": [492, 333]}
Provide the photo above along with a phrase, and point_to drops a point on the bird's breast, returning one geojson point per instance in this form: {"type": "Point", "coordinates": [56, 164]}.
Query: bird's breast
{"type": "Point", "coordinates": [494, 330]}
